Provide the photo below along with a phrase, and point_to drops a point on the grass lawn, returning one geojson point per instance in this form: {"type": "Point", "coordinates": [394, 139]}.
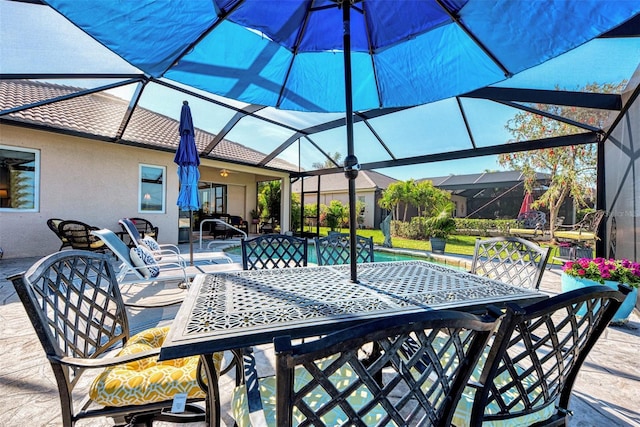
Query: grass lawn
{"type": "Point", "coordinates": [456, 244]}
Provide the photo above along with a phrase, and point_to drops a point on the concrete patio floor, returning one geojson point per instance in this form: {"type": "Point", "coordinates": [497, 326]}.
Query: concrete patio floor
{"type": "Point", "coordinates": [607, 392]}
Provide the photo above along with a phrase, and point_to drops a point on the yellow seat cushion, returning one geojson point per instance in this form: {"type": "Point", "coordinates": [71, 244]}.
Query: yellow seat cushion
{"type": "Point", "coordinates": [148, 380]}
{"type": "Point", "coordinates": [575, 235]}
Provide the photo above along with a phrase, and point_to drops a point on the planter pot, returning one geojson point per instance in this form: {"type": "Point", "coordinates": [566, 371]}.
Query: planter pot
{"type": "Point", "coordinates": [437, 244]}
{"type": "Point", "coordinates": [570, 283]}
{"type": "Point", "coordinates": [574, 252]}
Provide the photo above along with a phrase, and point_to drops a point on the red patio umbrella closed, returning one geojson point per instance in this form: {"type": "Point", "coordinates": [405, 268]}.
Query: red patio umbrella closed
{"type": "Point", "coordinates": [526, 203]}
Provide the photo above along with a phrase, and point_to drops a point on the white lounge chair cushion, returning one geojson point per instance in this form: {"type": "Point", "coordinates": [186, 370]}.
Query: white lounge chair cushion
{"type": "Point", "coordinates": [144, 261]}
{"type": "Point", "coordinates": [153, 246]}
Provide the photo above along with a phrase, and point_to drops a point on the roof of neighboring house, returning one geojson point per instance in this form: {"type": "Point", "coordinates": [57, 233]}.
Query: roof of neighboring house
{"type": "Point", "coordinates": [100, 116]}
{"type": "Point", "coordinates": [482, 180]}
{"type": "Point", "coordinates": [338, 182]}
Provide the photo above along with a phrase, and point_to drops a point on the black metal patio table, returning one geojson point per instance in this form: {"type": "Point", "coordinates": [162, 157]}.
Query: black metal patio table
{"type": "Point", "coordinates": [232, 310]}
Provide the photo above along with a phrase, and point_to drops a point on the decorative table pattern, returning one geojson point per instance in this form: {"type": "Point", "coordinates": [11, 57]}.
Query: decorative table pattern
{"type": "Point", "coordinates": [244, 308]}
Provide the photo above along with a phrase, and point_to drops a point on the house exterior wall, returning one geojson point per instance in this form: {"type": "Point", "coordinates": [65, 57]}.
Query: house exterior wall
{"type": "Point", "coordinates": [97, 183]}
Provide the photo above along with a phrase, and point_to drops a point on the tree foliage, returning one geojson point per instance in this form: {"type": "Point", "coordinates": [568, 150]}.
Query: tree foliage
{"type": "Point", "coordinates": [423, 195]}
{"type": "Point", "coordinates": [337, 157]}
{"type": "Point", "coordinates": [572, 169]}
{"type": "Point", "coordinates": [269, 200]}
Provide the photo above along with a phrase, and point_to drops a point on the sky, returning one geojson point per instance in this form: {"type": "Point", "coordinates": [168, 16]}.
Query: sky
{"type": "Point", "coordinates": [419, 131]}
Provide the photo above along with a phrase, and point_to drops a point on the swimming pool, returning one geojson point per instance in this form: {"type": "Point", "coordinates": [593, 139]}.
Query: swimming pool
{"type": "Point", "coordinates": [378, 256]}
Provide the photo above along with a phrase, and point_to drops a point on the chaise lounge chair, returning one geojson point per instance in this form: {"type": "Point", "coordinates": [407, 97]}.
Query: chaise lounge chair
{"type": "Point", "coordinates": [141, 269]}
{"type": "Point", "coordinates": [169, 252]}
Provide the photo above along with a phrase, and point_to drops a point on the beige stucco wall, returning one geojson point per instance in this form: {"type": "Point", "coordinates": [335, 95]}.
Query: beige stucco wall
{"type": "Point", "coordinates": [97, 183]}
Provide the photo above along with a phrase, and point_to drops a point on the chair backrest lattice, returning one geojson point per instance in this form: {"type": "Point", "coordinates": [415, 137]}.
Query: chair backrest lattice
{"type": "Point", "coordinates": [274, 251]}
{"type": "Point", "coordinates": [79, 236]}
{"type": "Point", "coordinates": [591, 221]}
{"type": "Point", "coordinates": [511, 260]}
{"type": "Point", "coordinates": [364, 375]}
{"type": "Point", "coordinates": [53, 224]}
{"type": "Point", "coordinates": [74, 303]}
{"type": "Point", "coordinates": [336, 249]}
{"type": "Point", "coordinates": [541, 351]}
{"type": "Point", "coordinates": [532, 219]}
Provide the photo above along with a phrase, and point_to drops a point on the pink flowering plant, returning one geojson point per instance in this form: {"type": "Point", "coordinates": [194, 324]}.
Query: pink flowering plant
{"type": "Point", "coordinates": [601, 269]}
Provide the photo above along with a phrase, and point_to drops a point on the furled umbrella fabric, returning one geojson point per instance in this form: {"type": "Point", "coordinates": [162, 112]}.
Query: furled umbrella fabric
{"type": "Point", "coordinates": [188, 161]}
{"type": "Point", "coordinates": [526, 203]}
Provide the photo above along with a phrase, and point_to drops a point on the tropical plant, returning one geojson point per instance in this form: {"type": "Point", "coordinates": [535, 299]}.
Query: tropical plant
{"type": "Point", "coordinates": [269, 200]}
{"type": "Point", "coordinates": [442, 224]}
{"type": "Point", "coordinates": [601, 269]}
{"type": "Point", "coordinates": [335, 215]}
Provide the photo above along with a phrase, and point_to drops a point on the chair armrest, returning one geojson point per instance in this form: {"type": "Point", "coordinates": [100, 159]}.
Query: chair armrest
{"type": "Point", "coordinates": [104, 362]}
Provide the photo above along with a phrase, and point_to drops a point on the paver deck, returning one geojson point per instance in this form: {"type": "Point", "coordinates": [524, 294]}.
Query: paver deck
{"type": "Point", "coordinates": [607, 392]}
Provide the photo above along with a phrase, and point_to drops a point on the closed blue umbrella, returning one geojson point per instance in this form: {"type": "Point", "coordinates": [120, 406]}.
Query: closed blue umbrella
{"type": "Point", "coordinates": [188, 161]}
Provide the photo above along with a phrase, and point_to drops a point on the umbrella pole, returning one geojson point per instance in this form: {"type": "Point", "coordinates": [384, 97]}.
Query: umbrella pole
{"type": "Point", "coordinates": [191, 236]}
{"type": "Point", "coordinates": [351, 165]}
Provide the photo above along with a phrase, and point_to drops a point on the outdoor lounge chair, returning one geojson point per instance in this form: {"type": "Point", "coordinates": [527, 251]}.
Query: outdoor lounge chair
{"type": "Point", "coordinates": [168, 252]}
{"type": "Point", "coordinates": [74, 303]}
{"type": "Point", "coordinates": [145, 228]}
{"type": "Point", "coordinates": [530, 224]}
{"type": "Point", "coordinates": [527, 379]}
{"type": "Point", "coordinates": [133, 271]}
{"type": "Point", "coordinates": [274, 251]}
{"type": "Point", "coordinates": [416, 377]}
{"type": "Point", "coordinates": [79, 236]}
{"type": "Point", "coordinates": [511, 260]}
{"type": "Point", "coordinates": [53, 224]}
{"type": "Point", "coordinates": [335, 249]}
{"type": "Point", "coordinates": [585, 230]}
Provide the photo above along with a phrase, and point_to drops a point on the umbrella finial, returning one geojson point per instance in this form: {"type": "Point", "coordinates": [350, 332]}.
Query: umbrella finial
{"type": "Point", "coordinates": [185, 102]}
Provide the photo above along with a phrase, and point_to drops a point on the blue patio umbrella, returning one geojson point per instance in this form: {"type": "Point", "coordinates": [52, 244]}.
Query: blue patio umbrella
{"type": "Point", "coordinates": [343, 55]}
{"type": "Point", "coordinates": [188, 161]}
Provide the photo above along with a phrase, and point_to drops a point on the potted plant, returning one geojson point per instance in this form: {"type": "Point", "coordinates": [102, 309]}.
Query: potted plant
{"type": "Point", "coordinates": [609, 272]}
{"type": "Point", "coordinates": [255, 216]}
{"type": "Point", "coordinates": [439, 227]}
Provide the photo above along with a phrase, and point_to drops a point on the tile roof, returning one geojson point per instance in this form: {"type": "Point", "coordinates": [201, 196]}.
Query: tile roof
{"type": "Point", "coordinates": [100, 115]}
{"type": "Point", "coordinates": [337, 182]}
{"type": "Point", "coordinates": [481, 180]}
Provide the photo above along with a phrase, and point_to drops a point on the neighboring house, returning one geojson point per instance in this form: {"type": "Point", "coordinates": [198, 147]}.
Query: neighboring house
{"type": "Point", "coordinates": [70, 159]}
{"type": "Point", "coordinates": [369, 187]}
{"type": "Point", "coordinates": [491, 194]}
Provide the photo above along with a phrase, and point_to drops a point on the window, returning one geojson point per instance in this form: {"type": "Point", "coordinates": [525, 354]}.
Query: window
{"type": "Point", "coordinates": [19, 179]}
{"type": "Point", "coordinates": [151, 197]}
{"type": "Point", "coordinates": [213, 197]}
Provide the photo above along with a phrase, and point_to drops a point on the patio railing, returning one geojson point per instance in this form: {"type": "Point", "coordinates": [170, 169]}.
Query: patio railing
{"type": "Point", "coordinates": [219, 221]}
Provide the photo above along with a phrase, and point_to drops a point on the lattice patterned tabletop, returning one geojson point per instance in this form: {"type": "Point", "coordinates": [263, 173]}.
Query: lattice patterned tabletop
{"type": "Point", "coordinates": [239, 309]}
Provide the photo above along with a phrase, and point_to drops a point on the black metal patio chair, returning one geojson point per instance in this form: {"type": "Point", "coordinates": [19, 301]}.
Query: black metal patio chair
{"type": "Point", "coordinates": [145, 227]}
{"type": "Point", "coordinates": [74, 303]}
{"type": "Point", "coordinates": [53, 224]}
{"type": "Point", "coordinates": [338, 380]}
{"type": "Point", "coordinates": [274, 251]}
{"type": "Point", "coordinates": [79, 236]}
{"type": "Point", "coordinates": [336, 249]}
{"type": "Point", "coordinates": [511, 260]}
{"type": "Point", "coordinates": [528, 377]}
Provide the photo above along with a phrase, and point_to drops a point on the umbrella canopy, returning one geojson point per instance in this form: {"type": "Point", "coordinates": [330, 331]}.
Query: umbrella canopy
{"type": "Point", "coordinates": [188, 161]}
{"type": "Point", "coordinates": [287, 54]}
{"type": "Point", "coordinates": [526, 203]}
